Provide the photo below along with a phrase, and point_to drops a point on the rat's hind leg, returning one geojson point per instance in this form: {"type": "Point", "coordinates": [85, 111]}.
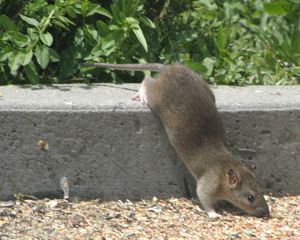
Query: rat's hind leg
{"type": "Point", "coordinates": [142, 93]}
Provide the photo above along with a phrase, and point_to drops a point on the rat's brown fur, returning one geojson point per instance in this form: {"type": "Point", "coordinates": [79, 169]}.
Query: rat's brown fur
{"type": "Point", "coordinates": [186, 107]}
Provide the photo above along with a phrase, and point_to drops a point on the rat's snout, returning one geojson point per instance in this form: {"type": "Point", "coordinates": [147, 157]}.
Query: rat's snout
{"type": "Point", "coordinates": [262, 212]}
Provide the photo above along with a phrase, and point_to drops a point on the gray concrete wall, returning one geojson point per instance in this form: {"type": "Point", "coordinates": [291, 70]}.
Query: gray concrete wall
{"type": "Point", "coordinates": [111, 147]}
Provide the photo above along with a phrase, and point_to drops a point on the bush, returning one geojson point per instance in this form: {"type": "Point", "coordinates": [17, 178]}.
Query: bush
{"type": "Point", "coordinates": [229, 42]}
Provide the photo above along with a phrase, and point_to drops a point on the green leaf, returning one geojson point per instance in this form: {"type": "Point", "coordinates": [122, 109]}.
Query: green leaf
{"type": "Point", "coordinates": [94, 8]}
{"type": "Point", "coordinates": [296, 70]}
{"type": "Point", "coordinates": [5, 54]}
{"type": "Point", "coordinates": [60, 24]}
{"type": "Point", "coordinates": [31, 73]}
{"type": "Point", "coordinates": [295, 45]}
{"type": "Point", "coordinates": [7, 24]}
{"type": "Point", "coordinates": [84, 7]}
{"type": "Point", "coordinates": [14, 62]}
{"type": "Point", "coordinates": [42, 55]}
{"type": "Point", "coordinates": [29, 20]}
{"type": "Point", "coordinates": [20, 39]}
{"type": "Point", "coordinates": [116, 14]}
{"type": "Point", "coordinates": [53, 55]}
{"type": "Point", "coordinates": [132, 22]}
{"type": "Point", "coordinates": [32, 33]}
{"type": "Point", "coordinates": [277, 8]}
{"type": "Point", "coordinates": [26, 57]}
{"type": "Point", "coordinates": [95, 52]}
{"type": "Point", "coordinates": [209, 64]}
{"type": "Point", "coordinates": [221, 40]}
{"type": "Point", "coordinates": [104, 12]}
{"type": "Point", "coordinates": [108, 42]}
{"type": "Point", "coordinates": [113, 27]}
{"type": "Point", "coordinates": [91, 34]}
{"type": "Point", "coordinates": [197, 67]}
{"type": "Point", "coordinates": [102, 28]}
{"type": "Point", "coordinates": [210, 5]}
{"type": "Point", "coordinates": [65, 21]}
{"type": "Point", "coordinates": [46, 38]}
{"type": "Point", "coordinates": [140, 36]}
{"type": "Point", "coordinates": [147, 22]}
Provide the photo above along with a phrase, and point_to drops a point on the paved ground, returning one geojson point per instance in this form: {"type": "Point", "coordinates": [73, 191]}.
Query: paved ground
{"type": "Point", "coordinates": [174, 218]}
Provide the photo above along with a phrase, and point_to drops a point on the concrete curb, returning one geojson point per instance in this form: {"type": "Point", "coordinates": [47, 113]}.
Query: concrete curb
{"type": "Point", "coordinates": [111, 147]}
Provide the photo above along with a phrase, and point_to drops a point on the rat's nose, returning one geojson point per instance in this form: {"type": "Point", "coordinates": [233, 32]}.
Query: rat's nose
{"type": "Point", "coordinates": [262, 212]}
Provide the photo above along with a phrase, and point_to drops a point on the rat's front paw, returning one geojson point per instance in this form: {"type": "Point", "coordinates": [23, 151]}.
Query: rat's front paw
{"type": "Point", "coordinates": [213, 214]}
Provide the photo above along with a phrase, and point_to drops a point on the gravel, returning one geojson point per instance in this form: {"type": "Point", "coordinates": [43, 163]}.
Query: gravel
{"type": "Point", "coordinates": [175, 218]}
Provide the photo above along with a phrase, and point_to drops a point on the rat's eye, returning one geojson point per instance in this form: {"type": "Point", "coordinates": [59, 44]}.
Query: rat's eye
{"type": "Point", "coordinates": [250, 198]}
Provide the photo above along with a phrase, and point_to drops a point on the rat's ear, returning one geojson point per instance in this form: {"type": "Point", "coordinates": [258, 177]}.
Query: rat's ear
{"type": "Point", "coordinates": [234, 178]}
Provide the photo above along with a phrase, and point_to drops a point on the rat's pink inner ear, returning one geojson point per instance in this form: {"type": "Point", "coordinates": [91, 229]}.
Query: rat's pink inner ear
{"type": "Point", "coordinates": [234, 178]}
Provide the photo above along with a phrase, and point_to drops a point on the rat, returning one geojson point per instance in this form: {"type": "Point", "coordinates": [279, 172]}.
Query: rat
{"type": "Point", "coordinates": [186, 106]}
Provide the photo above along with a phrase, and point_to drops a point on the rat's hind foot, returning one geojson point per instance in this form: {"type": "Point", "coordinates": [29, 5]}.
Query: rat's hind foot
{"type": "Point", "coordinates": [141, 95]}
{"type": "Point", "coordinates": [136, 97]}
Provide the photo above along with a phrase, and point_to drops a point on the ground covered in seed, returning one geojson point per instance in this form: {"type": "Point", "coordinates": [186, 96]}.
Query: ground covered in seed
{"type": "Point", "coordinates": [175, 218]}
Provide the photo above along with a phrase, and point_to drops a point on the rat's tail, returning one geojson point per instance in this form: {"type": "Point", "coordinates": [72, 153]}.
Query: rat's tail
{"type": "Point", "coordinates": [153, 67]}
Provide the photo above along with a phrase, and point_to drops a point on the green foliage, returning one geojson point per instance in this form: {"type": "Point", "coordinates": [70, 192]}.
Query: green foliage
{"type": "Point", "coordinates": [119, 37]}
{"type": "Point", "coordinates": [229, 42]}
{"type": "Point", "coordinates": [238, 43]}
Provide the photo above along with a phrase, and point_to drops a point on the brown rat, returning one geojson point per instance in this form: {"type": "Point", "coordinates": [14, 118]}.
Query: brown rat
{"type": "Point", "coordinates": [186, 106]}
